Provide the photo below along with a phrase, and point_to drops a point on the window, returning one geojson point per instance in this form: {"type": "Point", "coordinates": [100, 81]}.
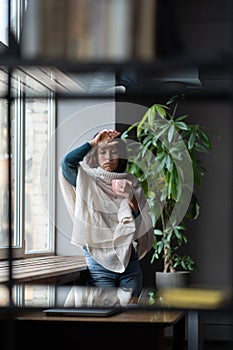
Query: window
{"type": "Point", "coordinates": [29, 295]}
{"type": "Point", "coordinates": [16, 7]}
{"type": "Point", "coordinates": [38, 165]}
{"type": "Point", "coordinates": [35, 295]}
{"type": "Point", "coordinates": [33, 123]}
{"type": "Point", "coordinates": [3, 176]}
{"type": "Point", "coordinates": [32, 156]}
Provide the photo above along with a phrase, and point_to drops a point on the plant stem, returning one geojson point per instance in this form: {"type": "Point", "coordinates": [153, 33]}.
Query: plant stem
{"type": "Point", "coordinates": [175, 109]}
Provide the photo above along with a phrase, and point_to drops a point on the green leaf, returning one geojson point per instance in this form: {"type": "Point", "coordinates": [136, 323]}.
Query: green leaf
{"type": "Point", "coordinates": [194, 208]}
{"type": "Point", "coordinates": [145, 148]}
{"type": "Point", "coordinates": [155, 242]}
{"type": "Point", "coordinates": [158, 232]}
{"type": "Point", "coordinates": [179, 188]}
{"type": "Point", "coordinates": [124, 135]}
{"type": "Point", "coordinates": [160, 156]}
{"type": "Point", "coordinates": [169, 236]}
{"type": "Point", "coordinates": [174, 183]}
{"type": "Point", "coordinates": [171, 132]}
{"type": "Point", "coordinates": [169, 163]}
{"type": "Point", "coordinates": [182, 117]}
{"type": "Point", "coordinates": [181, 125]}
{"type": "Point", "coordinates": [142, 121]}
{"type": "Point", "coordinates": [205, 139]}
{"type": "Point", "coordinates": [197, 173]}
{"type": "Point", "coordinates": [161, 110]}
{"type": "Point", "coordinates": [154, 141]}
{"type": "Point", "coordinates": [160, 247]}
{"type": "Point", "coordinates": [191, 140]}
{"type": "Point", "coordinates": [173, 99]}
{"type": "Point", "coordinates": [147, 138]}
{"type": "Point", "coordinates": [151, 117]}
{"type": "Point", "coordinates": [200, 148]}
{"type": "Point", "coordinates": [169, 189]}
{"type": "Point", "coordinates": [163, 130]}
{"type": "Point", "coordinates": [162, 163]}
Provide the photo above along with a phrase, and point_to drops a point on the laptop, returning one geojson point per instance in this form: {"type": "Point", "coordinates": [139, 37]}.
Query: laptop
{"type": "Point", "coordinates": [84, 311]}
{"type": "Point", "coordinates": [91, 301]}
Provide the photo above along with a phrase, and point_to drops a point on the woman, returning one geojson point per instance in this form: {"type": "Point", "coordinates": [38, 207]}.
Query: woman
{"type": "Point", "coordinates": [111, 216]}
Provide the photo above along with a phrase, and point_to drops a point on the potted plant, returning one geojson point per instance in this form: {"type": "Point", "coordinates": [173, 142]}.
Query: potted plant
{"type": "Point", "coordinates": [166, 163]}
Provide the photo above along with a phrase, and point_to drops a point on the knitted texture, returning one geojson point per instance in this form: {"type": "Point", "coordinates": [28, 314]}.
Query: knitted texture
{"type": "Point", "coordinates": [103, 221]}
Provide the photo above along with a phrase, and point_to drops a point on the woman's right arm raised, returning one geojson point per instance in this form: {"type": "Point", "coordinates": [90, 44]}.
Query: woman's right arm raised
{"type": "Point", "coordinates": [71, 160]}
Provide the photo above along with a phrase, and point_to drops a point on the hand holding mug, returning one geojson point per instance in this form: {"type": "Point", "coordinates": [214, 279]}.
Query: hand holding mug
{"type": "Point", "coordinates": [123, 187]}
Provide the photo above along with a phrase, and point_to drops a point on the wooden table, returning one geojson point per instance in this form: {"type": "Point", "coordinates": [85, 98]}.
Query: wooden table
{"type": "Point", "coordinates": [134, 327]}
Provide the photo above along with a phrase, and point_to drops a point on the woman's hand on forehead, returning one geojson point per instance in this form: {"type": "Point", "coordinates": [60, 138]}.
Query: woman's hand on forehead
{"type": "Point", "coordinates": [105, 136]}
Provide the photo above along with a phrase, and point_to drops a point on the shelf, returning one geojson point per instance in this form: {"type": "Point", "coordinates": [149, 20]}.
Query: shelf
{"type": "Point", "coordinates": [215, 70]}
{"type": "Point", "coordinates": [163, 63]}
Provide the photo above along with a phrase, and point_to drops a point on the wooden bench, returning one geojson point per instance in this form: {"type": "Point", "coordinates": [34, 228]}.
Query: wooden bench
{"type": "Point", "coordinates": [49, 269]}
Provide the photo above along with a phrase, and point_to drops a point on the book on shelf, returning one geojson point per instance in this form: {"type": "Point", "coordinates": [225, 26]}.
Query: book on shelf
{"type": "Point", "coordinates": [145, 29]}
{"type": "Point", "coordinates": [90, 30]}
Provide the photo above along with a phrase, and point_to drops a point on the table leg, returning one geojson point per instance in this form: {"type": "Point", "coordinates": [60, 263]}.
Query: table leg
{"type": "Point", "coordinates": [179, 334]}
{"type": "Point", "coordinates": [160, 341]}
{"type": "Point", "coordinates": [194, 336]}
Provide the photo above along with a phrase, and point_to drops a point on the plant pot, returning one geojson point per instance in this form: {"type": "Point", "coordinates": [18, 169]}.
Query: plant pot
{"type": "Point", "coordinates": [172, 279]}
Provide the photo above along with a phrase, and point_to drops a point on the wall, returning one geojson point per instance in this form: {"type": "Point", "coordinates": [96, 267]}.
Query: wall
{"type": "Point", "coordinates": [197, 28]}
{"type": "Point", "coordinates": [200, 26]}
{"type": "Point", "coordinates": [212, 232]}
{"type": "Point", "coordinates": [77, 121]}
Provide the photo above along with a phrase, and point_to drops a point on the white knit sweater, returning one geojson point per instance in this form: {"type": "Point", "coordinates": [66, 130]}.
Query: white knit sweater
{"type": "Point", "coordinates": [103, 221]}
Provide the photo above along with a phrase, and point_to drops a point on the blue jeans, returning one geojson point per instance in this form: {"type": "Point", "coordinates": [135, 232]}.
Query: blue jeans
{"type": "Point", "coordinates": [99, 276]}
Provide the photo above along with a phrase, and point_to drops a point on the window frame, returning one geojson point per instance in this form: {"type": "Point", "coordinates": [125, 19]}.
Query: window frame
{"type": "Point", "coordinates": [18, 108]}
{"type": "Point", "coordinates": [18, 200]}
{"type": "Point", "coordinates": [51, 102]}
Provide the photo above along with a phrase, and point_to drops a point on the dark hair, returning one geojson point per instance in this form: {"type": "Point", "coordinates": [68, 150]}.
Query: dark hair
{"type": "Point", "coordinates": [92, 156]}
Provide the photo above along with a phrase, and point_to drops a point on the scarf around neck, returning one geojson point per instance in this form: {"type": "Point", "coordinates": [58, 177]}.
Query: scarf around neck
{"type": "Point", "coordinates": [103, 221]}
